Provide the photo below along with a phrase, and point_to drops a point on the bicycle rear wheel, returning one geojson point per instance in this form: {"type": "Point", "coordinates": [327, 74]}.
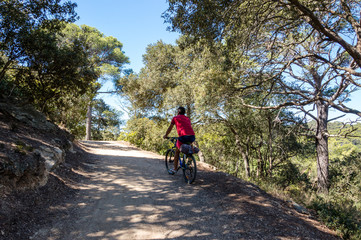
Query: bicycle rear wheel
{"type": "Point", "coordinates": [190, 170]}
{"type": "Point", "coordinates": [169, 159]}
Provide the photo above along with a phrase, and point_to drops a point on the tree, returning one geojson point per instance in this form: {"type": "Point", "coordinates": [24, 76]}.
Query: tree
{"type": "Point", "coordinates": [105, 121]}
{"type": "Point", "coordinates": [204, 79]}
{"type": "Point", "coordinates": [20, 19]}
{"type": "Point", "coordinates": [217, 75]}
{"type": "Point", "coordinates": [163, 84]}
{"type": "Point", "coordinates": [104, 54]}
{"type": "Point", "coordinates": [261, 27]}
{"type": "Point", "coordinates": [51, 63]}
{"type": "Point", "coordinates": [38, 64]}
{"type": "Point", "coordinates": [53, 69]}
{"type": "Point", "coordinates": [267, 32]}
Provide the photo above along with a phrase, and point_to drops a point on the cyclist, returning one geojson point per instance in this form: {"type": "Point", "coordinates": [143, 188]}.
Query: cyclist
{"type": "Point", "coordinates": [185, 133]}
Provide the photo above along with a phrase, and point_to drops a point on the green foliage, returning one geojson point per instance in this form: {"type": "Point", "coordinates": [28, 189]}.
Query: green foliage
{"type": "Point", "coordinates": [23, 148]}
{"type": "Point", "coordinates": [27, 36]}
{"type": "Point", "coordinates": [217, 144]}
{"type": "Point", "coordinates": [104, 53]}
{"type": "Point", "coordinates": [288, 57]}
{"type": "Point", "coordinates": [54, 69]}
{"type": "Point", "coordinates": [20, 19]}
{"type": "Point", "coordinates": [288, 175]}
{"type": "Point", "coordinates": [105, 57]}
{"type": "Point", "coordinates": [37, 66]}
{"type": "Point", "coordinates": [339, 215]}
{"type": "Point", "coordinates": [146, 134]}
{"type": "Point", "coordinates": [344, 145]}
{"type": "Point", "coordinates": [346, 178]}
{"type": "Point", "coordinates": [160, 86]}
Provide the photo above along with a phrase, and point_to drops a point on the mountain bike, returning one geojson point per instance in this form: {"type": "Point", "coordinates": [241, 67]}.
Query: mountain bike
{"type": "Point", "coordinates": [186, 162]}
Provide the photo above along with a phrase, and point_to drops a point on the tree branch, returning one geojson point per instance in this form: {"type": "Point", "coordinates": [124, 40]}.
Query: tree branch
{"type": "Point", "coordinates": [316, 23]}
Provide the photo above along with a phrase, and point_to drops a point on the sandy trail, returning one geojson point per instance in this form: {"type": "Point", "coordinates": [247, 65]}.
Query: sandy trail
{"type": "Point", "coordinates": [129, 195]}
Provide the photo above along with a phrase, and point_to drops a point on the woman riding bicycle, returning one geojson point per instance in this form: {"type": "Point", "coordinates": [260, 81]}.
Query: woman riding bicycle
{"type": "Point", "coordinates": [185, 133]}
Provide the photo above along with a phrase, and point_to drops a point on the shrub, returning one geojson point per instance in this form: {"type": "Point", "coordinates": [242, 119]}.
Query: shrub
{"type": "Point", "coordinates": [339, 215]}
{"type": "Point", "coordinates": [146, 134]}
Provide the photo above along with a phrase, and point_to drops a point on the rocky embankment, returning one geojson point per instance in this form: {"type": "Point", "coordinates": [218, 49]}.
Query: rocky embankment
{"type": "Point", "coordinates": [30, 147]}
{"type": "Point", "coordinates": [39, 165]}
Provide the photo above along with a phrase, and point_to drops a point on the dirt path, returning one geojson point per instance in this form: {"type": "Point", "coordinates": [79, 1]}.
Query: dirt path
{"type": "Point", "coordinates": [129, 195]}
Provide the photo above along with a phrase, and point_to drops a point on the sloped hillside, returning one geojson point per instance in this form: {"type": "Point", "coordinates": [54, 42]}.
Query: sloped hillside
{"type": "Point", "coordinates": [30, 146]}
{"type": "Point", "coordinates": [38, 166]}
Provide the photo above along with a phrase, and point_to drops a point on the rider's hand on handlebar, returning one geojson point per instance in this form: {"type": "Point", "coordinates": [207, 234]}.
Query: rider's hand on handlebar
{"type": "Point", "coordinates": [165, 137]}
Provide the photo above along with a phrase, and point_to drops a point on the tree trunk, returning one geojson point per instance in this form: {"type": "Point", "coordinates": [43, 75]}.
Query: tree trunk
{"type": "Point", "coordinates": [270, 149]}
{"type": "Point", "coordinates": [246, 164]}
{"type": "Point", "coordinates": [322, 147]}
{"type": "Point", "coordinates": [260, 164]}
{"type": "Point", "coordinates": [88, 122]}
{"type": "Point", "coordinates": [245, 158]}
{"type": "Point", "coordinates": [189, 111]}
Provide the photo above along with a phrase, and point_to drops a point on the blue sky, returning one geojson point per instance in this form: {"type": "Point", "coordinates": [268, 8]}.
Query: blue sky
{"type": "Point", "coordinates": [136, 24]}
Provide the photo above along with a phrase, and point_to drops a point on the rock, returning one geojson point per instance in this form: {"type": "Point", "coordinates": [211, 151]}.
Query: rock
{"type": "Point", "coordinates": [57, 141]}
{"type": "Point", "coordinates": [30, 146]}
{"type": "Point", "coordinates": [298, 207]}
{"type": "Point", "coordinates": [53, 156]}
{"type": "Point", "coordinates": [71, 147]}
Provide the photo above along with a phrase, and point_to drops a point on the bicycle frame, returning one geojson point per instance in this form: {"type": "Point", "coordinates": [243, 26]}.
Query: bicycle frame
{"type": "Point", "coordinates": [186, 162]}
{"type": "Point", "coordinates": [183, 157]}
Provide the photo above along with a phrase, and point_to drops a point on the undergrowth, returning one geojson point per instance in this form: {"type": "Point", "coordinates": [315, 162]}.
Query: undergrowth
{"type": "Point", "coordinates": [338, 213]}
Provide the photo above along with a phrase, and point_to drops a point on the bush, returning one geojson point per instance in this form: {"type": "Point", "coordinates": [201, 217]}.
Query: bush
{"type": "Point", "coordinates": [345, 177]}
{"type": "Point", "coordinates": [146, 134]}
{"type": "Point", "coordinates": [340, 215]}
{"type": "Point", "coordinates": [9, 89]}
{"type": "Point", "coordinates": [287, 174]}
{"type": "Point", "coordinates": [217, 146]}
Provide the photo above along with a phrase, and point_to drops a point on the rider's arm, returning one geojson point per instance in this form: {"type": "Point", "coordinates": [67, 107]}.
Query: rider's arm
{"type": "Point", "coordinates": [169, 130]}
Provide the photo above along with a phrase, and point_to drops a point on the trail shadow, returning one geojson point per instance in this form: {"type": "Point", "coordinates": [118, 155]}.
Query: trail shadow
{"type": "Point", "coordinates": [133, 197]}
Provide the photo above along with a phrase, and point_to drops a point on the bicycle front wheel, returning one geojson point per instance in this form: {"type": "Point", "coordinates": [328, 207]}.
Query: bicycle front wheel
{"type": "Point", "coordinates": [190, 169]}
{"type": "Point", "coordinates": [169, 159]}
